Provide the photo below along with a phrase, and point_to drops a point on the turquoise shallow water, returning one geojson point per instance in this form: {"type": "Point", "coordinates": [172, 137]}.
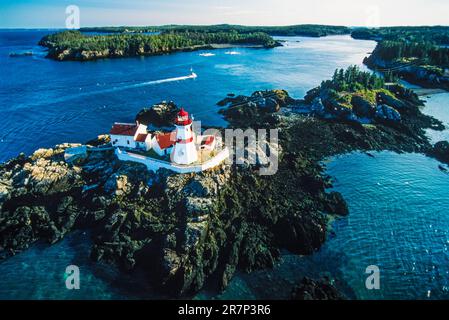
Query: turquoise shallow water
{"type": "Point", "coordinates": [438, 106]}
{"type": "Point", "coordinates": [398, 203]}
{"type": "Point", "coordinates": [399, 221]}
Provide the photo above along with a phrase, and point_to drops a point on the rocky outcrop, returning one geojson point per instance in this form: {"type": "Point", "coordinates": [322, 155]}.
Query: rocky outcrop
{"type": "Point", "coordinates": [37, 198]}
{"type": "Point", "coordinates": [182, 230]}
{"type": "Point", "coordinates": [441, 151]}
{"type": "Point", "coordinates": [389, 100]}
{"type": "Point", "coordinates": [384, 112]}
{"type": "Point", "coordinates": [415, 74]}
{"type": "Point", "coordinates": [160, 115]}
{"type": "Point", "coordinates": [269, 100]}
{"type": "Point", "coordinates": [310, 289]}
{"type": "Point", "coordinates": [324, 104]}
{"type": "Point", "coordinates": [362, 107]}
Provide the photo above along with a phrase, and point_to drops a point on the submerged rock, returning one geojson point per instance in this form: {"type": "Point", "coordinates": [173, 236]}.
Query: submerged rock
{"type": "Point", "coordinates": [310, 289]}
{"type": "Point", "coordinates": [441, 151]}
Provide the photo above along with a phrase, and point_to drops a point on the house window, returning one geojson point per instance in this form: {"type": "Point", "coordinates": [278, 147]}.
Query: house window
{"type": "Point", "coordinates": [127, 141]}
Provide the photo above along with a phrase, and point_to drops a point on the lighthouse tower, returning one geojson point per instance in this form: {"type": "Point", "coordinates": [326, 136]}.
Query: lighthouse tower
{"type": "Point", "coordinates": [184, 151]}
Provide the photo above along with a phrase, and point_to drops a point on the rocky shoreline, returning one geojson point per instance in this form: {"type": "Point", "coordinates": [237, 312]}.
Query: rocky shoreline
{"type": "Point", "coordinates": [186, 230]}
{"type": "Point", "coordinates": [414, 74]}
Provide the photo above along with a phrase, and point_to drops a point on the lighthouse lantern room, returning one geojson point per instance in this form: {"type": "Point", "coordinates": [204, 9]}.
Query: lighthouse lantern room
{"type": "Point", "coordinates": [184, 151]}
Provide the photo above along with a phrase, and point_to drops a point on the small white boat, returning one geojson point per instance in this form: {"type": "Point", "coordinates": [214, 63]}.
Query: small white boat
{"type": "Point", "coordinates": [232, 52]}
{"type": "Point", "coordinates": [207, 54]}
{"type": "Point", "coordinates": [193, 75]}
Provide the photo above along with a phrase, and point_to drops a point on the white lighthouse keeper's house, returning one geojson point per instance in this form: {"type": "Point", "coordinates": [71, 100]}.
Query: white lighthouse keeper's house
{"type": "Point", "coordinates": [184, 151]}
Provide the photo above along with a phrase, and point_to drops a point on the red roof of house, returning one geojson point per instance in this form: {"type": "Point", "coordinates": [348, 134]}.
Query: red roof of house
{"type": "Point", "coordinates": [141, 137]}
{"type": "Point", "coordinates": [123, 129]}
{"type": "Point", "coordinates": [166, 140]}
{"type": "Point", "coordinates": [209, 140]}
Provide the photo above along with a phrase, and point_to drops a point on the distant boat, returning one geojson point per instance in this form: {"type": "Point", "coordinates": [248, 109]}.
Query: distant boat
{"type": "Point", "coordinates": [193, 75]}
{"type": "Point", "coordinates": [207, 54]}
{"type": "Point", "coordinates": [21, 54]}
{"type": "Point", "coordinates": [232, 52]}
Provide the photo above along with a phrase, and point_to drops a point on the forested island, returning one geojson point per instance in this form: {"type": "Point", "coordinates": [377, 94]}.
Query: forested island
{"type": "Point", "coordinates": [74, 45]}
{"type": "Point", "coordinates": [112, 42]}
{"type": "Point", "coordinates": [418, 54]}
{"type": "Point", "coordinates": [306, 30]}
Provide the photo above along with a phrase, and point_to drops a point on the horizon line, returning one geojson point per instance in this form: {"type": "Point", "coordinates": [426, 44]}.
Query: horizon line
{"type": "Point", "coordinates": [221, 24]}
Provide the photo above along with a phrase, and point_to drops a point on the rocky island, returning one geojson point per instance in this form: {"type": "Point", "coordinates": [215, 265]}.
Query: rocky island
{"type": "Point", "coordinates": [186, 230]}
{"type": "Point", "coordinates": [419, 55]}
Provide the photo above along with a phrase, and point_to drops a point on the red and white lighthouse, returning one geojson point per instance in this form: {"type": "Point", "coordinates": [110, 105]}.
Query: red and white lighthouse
{"type": "Point", "coordinates": [184, 151]}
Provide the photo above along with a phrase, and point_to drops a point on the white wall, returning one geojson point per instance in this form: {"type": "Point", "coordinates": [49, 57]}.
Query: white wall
{"type": "Point", "coordinates": [140, 129]}
{"type": "Point", "coordinates": [154, 164]}
{"type": "Point", "coordinates": [157, 149]}
{"type": "Point", "coordinates": [123, 141]}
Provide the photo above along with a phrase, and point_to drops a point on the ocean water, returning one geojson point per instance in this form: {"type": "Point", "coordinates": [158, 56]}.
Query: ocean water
{"type": "Point", "coordinates": [398, 206]}
{"type": "Point", "coordinates": [44, 102]}
{"type": "Point", "coordinates": [438, 106]}
{"type": "Point", "coordinates": [398, 221]}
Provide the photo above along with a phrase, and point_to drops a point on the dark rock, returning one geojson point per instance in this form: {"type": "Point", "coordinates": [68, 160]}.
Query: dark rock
{"type": "Point", "coordinates": [317, 107]}
{"type": "Point", "coordinates": [310, 289]}
{"type": "Point", "coordinates": [441, 151]}
{"type": "Point", "coordinates": [384, 99]}
{"type": "Point", "coordinates": [336, 109]}
{"type": "Point", "coordinates": [336, 204]}
{"type": "Point", "coordinates": [363, 108]}
{"type": "Point", "coordinates": [384, 112]}
{"type": "Point", "coordinates": [159, 115]}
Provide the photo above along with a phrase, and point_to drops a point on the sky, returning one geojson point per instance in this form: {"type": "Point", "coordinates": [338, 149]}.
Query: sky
{"type": "Point", "coordinates": [371, 13]}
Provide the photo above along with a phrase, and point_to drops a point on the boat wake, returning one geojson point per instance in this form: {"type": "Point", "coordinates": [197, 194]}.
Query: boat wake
{"type": "Point", "coordinates": [192, 75]}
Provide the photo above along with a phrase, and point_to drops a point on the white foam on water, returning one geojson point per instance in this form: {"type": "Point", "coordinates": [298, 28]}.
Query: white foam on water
{"type": "Point", "coordinates": [147, 83]}
{"type": "Point", "coordinates": [193, 75]}
{"type": "Point", "coordinates": [232, 52]}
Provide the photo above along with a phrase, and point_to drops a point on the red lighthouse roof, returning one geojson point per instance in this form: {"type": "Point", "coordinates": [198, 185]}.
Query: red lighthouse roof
{"type": "Point", "coordinates": [183, 113]}
{"type": "Point", "coordinates": [183, 118]}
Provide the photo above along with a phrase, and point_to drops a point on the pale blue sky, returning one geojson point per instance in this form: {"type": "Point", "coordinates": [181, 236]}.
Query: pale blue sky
{"type": "Point", "coordinates": [51, 13]}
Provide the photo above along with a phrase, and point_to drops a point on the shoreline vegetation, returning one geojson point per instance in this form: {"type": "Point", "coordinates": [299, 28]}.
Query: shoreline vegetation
{"type": "Point", "coordinates": [419, 55]}
{"type": "Point", "coordinates": [306, 30]}
{"type": "Point", "coordinates": [196, 229]}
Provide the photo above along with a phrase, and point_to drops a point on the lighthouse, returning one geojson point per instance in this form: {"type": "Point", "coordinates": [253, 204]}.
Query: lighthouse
{"type": "Point", "coordinates": [184, 151]}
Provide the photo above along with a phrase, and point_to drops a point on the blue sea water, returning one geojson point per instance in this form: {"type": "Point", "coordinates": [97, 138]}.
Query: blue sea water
{"type": "Point", "coordinates": [44, 102]}
{"type": "Point", "coordinates": [398, 202]}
